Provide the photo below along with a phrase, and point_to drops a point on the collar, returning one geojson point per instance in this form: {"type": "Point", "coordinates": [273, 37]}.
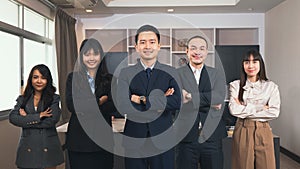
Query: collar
{"type": "Point", "coordinates": [145, 67]}
{"type": "Point", "coordinates": [194, 69]}
{"type": "Point", "coordinates": [89, 76]}
{"type": "Point", "coordinates": [253, 85]}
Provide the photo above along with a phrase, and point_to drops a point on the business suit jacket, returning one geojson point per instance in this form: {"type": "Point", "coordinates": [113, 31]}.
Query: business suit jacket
{"type": "Point", "coordinates": [210, 91]}
{"type": "Point", "coordinates": [133, 80]}
{"type": "Point", "coordinates": [39, 146]}
{"type": "Point", "coordinates": [88, 127]}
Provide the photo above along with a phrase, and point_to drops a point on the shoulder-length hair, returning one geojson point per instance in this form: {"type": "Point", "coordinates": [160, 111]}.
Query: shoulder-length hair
{"type": "Point", "coordinates": [48, 91]}
{"type": "Point", "coordinates": [261, 74]}
{"type": "Point", "coordinates": [103, 77]}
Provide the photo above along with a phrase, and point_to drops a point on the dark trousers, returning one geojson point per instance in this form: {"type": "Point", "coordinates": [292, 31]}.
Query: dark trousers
{"type": "Point", "coordinates": [90, 160]}
{"type": "Point", "coordinates": [208, 154]}
{"type": "Point", "coordinates": [165, 160]}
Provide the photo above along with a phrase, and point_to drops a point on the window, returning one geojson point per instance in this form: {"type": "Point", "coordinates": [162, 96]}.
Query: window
{"type": "Point", "coordinates": [10, 70]}
{"type": "Point", "coordinates": [11, 8]}
{"type": "Point", "coordinates": [23, 50]}
{"type": "Point", "coordinates": [51, 29]}
{"type": "Point", "coordinates": [39, 53]}
{"type": "Point", "coordinates": [34, 22]}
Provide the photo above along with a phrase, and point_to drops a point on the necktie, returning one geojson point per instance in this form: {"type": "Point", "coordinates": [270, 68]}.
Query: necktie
{"type": "Point", "coordinates": [148, 71]}
{"type": "Point", "coordinates": [197, 75]}
{"type": "Point", "coordinates": [92, 83]}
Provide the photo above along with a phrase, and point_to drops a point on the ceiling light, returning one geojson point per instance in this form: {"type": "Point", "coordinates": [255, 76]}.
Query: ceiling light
{"type": "Point", "coordinates": [171, 10]}
{"type": "Point", "coordinates": [88, 10]}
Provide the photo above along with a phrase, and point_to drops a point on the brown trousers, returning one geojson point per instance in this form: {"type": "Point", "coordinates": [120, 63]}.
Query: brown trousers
{"type": "Point", "coordinates": [253, 145]}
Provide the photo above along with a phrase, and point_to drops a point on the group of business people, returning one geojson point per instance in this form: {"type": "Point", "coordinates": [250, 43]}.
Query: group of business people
{"type": "Point", "coordinates": [174, 116]}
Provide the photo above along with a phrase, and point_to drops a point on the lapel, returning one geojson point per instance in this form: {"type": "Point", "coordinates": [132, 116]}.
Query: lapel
{"type": "Point", "coordinates": [82, 86]}
{"type": "Point", "coordinates": [189, 79]}
{"type": "Point", "coordinates": [141, 76]}
{"type": "Point", "coordinates": [30, 106]}
{"type": "Point", "coordinates": [204, 79]}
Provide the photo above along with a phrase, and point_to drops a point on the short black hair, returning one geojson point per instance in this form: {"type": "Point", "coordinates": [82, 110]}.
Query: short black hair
{"type": "Point", "coordinates": [146, 28]}
{"type": "Point", "coordinates": [196, 37]}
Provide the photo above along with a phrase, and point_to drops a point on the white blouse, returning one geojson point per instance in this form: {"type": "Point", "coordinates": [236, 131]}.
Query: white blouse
{"type": "Point", "coordinates": [256, 96]}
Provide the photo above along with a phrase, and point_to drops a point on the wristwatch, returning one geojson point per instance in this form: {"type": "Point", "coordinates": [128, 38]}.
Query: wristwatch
{"type": "Point", "coordinates": [143, 99]}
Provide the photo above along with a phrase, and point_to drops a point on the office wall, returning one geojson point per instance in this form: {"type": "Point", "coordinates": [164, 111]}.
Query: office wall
{"type": "Point", "coordinates": [282, 37]}
{"type": "Point", "coordinates": [173, 21]}
{"type": "Point", "coordinates": [8, 144]}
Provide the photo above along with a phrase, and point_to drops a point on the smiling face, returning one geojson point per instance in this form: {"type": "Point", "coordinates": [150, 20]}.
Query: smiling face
{"type": "Point", "coordinates": [39, 82]}
{"type": "Point", "coordinates": [197, 52]}
{"type": "Point", "coordinates": [147, 46]}
{"type": "Point", "coordinates": [251, 68]}
{"type": "Point", "coordinates": [91, 60]}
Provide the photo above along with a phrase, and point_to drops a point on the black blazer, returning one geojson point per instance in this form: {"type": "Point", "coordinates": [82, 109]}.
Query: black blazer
{"type": "Point", "coordinates": [133, 80]}
{"type": "Point", "coordinates": [88, 126]}
{"type": "Point", "coordinates": [210, 91]}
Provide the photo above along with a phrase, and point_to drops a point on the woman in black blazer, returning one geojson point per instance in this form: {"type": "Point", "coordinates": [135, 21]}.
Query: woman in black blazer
{"type": "Point", "coordinates": [37, 112]}
{"type": "Point", "coordinates": [88, 92]}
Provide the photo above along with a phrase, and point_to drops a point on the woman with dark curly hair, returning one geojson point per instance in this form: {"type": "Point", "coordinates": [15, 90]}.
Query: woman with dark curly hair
{"type": "Point", "coordinates": [37, 112]}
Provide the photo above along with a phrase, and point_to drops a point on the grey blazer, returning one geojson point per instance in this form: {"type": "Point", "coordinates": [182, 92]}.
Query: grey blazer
{"type": "Point", "coordinates": [39, 146]}
{"type": "Point", "coordinates": [210, 91]}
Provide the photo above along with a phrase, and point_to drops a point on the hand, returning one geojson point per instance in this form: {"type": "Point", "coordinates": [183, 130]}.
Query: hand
{"type": "Point", "coordinates": [136, 99]}
{"type": "Point", "coordinates": [217, 106]}
{"type": "Point", "coordinates": [22, 112]}
{"type": "Point", "coordinates": [266, 107]}
{"type": "Point", "coordinates": [103, 99]}
{"type": "Point", "coordinates": [237, 101]}
{"type": "Point", "coordinates": [169, 92]}
{"type": "Point", "coordinates": [186, 96]}
{"type": "Point", "coordinates": [261, 107]}
{"type": "Point", "coordinates": [46, 113]}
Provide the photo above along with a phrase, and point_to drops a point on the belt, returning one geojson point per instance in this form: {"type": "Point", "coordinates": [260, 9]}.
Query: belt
{"type": "Point", "coordinates": [252, 123]}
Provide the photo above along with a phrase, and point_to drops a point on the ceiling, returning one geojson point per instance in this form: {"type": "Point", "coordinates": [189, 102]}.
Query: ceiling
{"type": "Point", "coordinates": [77, 7]}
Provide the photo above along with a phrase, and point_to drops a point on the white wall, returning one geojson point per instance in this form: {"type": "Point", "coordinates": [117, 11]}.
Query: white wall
{"type": "Point", "coordinates": [282, 37]}
{"type": "Point", "coordinates": [174, 21]}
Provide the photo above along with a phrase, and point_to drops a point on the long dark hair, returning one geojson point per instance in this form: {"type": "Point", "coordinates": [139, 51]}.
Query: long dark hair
{"type": "Point", "coordinates": [261, 74]}
{"type": "Point", "coordinates": [103, 77]}
{"type": "Point", "coordinates": [48, 91]}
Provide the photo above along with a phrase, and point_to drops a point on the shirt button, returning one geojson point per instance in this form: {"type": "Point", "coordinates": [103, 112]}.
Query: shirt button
{"type": "Point", "coordinates": [45, 150]}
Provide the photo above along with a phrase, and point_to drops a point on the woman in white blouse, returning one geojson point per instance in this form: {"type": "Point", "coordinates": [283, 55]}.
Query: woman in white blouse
{"type": "Point", "coordinates": [254, 100]}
